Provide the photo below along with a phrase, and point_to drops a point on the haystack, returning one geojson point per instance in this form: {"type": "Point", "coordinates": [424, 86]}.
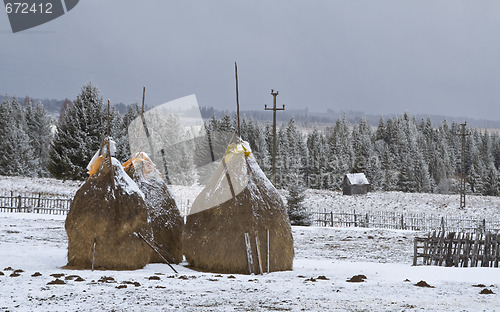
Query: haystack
{"type": "Point", "coordinates": [238, 199]}
{"type": "Point", "coordinates": [163, 216]}
{"type": "Point", "coordinates": [106, 212]}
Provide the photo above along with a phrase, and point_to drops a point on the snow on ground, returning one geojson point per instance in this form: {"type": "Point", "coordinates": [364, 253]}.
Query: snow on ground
{"type": "Point", "coordinates": [316, 200]}
{"type": "Point", "coordinates": [37, 243]}
{"type": "Point", "coordinates": [439, 204]}
{"type": "Point", "coordinates": [46, 186]}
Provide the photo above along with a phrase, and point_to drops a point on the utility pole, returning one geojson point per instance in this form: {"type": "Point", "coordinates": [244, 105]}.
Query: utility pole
{"type": "Point", "coordinates": [463, 175]}
{"type": "Point", "coordinates": [274, 109]}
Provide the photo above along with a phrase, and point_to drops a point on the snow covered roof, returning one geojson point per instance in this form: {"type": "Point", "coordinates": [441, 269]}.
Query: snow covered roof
{"type": "Point", "coordinates": [357, 178]}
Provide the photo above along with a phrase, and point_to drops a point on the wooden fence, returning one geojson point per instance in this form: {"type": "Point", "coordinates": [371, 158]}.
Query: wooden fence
{"type": "Point", "coordinates": [458, 249]}
{"type": "Point", "coordinates": [34, 203]}
{"type": "Point", "coordinates": [401, 221]}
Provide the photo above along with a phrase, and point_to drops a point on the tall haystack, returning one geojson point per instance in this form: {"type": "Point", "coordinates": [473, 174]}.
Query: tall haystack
{"type": "Point", "coordinates": [163, 216]}
{"type": "Point", "coordinates": [238, 199]}
{"type": "Point", "coordinates": [106, 212]}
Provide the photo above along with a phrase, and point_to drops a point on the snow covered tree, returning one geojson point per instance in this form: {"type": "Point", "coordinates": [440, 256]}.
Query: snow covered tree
{"type": "Point", "coordinates": [490, 181]}
{"type": "Point", "coordinates": [341, 154]}
{"type": "Point", "coordinates": [317, 160]}
{"type": "Point", "coordinates": [39, 132]}
{"type": "Point", "coordinates": [295, 206]}
{"type": "Point", "coordinates": [16, 156]}
{"type": "Point", "coordinates": [78, 136]}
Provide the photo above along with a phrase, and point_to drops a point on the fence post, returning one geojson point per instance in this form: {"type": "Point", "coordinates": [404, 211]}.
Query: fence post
{"type": "Point", "coordinates": [367, 220]}
{"type": "Point", "coordinates": [442, 224]}
{"type": "Point", "coordinates": [19, 204]}
{"type": "Point", "coordinates": [402, 222]}
{"type": "Point", "coordinates": [415, 249]}
{"type": "Point", "coordinates": [355, 220]}
{"type": "Point", "coordinates": [331, 217]}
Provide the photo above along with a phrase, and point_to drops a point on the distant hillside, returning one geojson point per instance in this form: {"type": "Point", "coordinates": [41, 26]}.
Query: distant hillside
{"type": "Point", "coordinates": [310, 119]}
{"type": "Point", "coordinates": [53, 107]}
{"type": "Point", "coordinates": [303, 117]}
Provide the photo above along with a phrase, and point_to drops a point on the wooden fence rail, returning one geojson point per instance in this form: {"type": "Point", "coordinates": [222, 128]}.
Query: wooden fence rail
{"type": "Point", "coordinates": [401, 221]}
{"type": "Point", "coordinates": [34, 203]}
{"type": "Point", "coordinates": [460, 249]}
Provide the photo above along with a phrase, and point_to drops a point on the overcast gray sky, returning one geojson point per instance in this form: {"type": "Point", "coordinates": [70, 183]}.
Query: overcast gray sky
{"type": "Point", "coordinates": [385, 56]}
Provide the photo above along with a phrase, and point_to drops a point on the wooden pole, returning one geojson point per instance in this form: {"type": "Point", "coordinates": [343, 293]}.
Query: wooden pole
{"type": "Point", "coordinates": [274, 109]}
{"type": "Point", "coordinates": [237, 99]}
{"type": "Point", "coordinates": [109, 155]}
{"type": "Point", "coordinates": [108, 120]}
{"type": "Point", "coordinates": [463, 175]}
{"type": "Point", "coordinates": [93, 251]}
{"type": "Point", "coordinates": [249, 253]}
{"type": "Point", "coordinates": [268, 249]}
{"type": "Point", "coordinates": [257, 244]}
{"type": "Point", "coordinates": [146, 130]}
{"type": "Point", "coordinates": [155, 250]}
{"type": "Point", "coordinates": [143, 98]}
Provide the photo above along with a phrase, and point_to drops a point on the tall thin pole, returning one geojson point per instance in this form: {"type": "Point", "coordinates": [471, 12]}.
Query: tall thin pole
{"type": "Point", "coordinates": [274, 109]}
{"type": "Point", "coordinates": [108, 120]}
{"type": "Point", "coordinates": [143, 97]}
{"type": "Point", "coordinates": [237, 99]}
{"type": "Point", "coordinates": [463, 174]}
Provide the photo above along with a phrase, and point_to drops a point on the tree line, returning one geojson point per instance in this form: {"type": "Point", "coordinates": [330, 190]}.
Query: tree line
{"type": "Point", "coordinates": [400, 154]}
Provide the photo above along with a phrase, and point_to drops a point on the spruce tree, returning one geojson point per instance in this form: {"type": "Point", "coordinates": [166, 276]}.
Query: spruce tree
{"type": "Point", "coordinates": [40, 136]}
{"type": "Point", "coordinates": [295, 206]}
{"type": "Point", "coordinates": [16, 156]}
{"type": "Point", "coordinates": [78, 135]}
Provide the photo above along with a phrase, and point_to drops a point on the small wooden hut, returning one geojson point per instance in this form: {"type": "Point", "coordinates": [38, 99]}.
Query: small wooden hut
{"type": "Point", "coordinates": [355, 184]}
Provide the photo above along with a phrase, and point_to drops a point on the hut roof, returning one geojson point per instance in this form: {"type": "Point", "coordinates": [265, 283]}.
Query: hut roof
{"type": "Point", "coordinates": [357, 179]}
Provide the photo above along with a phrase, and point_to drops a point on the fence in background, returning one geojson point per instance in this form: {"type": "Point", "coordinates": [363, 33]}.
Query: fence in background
{"type": "Point", "coordinates": [459, 249]}
{"type": "Point", "coordinates": [401, 221]}
{"type": "Point", "coordinates": [34, 203]}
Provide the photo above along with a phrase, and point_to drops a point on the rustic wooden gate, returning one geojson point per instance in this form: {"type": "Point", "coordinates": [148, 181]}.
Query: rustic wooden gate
{"type": "Point", "coordinates": [458, 249]}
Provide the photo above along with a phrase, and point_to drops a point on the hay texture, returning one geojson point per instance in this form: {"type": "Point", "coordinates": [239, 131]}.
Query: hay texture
{"type": "Point", "coordinates": [163, 216]}
{"type": "Point", "coordinates": [110, 208]}
{"type": "Point", "coordinates": [213, 237]}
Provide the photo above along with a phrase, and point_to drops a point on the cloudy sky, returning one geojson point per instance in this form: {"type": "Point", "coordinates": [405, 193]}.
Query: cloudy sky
{"type": "Point", "coordinates": [376, 56]}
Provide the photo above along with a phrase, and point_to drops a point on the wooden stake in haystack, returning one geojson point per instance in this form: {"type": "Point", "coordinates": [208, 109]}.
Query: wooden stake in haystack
{"type": "Point", "coordinates": [237, 99]}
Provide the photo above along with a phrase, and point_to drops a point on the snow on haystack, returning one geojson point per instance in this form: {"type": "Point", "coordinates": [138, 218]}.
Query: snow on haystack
{"type": "Point", "coordinates": [238, 199]}
{"type": "Point", "coordinates": [163, 215]}
{"type": "Point", "coordinates": [106, 212]}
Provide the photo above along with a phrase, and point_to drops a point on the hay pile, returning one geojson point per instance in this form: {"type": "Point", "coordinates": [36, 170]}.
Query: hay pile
{"type": "Point", "coordinates": [163, 216]}
{"type": "Point", "coordinates": [213, 237]}
{"type": "Point", "coordinates": [108, 208]}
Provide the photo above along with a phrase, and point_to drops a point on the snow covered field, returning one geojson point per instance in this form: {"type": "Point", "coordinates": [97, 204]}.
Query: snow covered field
{"type": "Point", "coordinates": [316, 200]}
{"type": "Point", "coordinates": [325, 259]}
{"type": "Point", "coordinates": [37, 243]}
